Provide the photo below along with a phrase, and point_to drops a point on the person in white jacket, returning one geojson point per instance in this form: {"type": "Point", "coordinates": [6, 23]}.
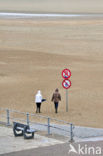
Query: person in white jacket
{"type": "Point", "coordinates": [38, 101]}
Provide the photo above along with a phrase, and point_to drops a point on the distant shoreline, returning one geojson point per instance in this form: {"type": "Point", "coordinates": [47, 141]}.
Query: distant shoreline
{"type": "Point", "coordinates": [47, 15]}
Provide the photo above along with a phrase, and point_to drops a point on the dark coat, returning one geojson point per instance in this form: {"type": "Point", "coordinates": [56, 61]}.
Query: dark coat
{"type": "Point", "coordinates": [56, 97]}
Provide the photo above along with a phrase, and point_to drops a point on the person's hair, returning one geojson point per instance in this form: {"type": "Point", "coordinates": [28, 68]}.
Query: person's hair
{"type": "Point", "coordinates": [56, 89]}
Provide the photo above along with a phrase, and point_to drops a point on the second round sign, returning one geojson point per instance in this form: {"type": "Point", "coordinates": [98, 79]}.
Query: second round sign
{"type": "Point", "coordinates": [66, 84]}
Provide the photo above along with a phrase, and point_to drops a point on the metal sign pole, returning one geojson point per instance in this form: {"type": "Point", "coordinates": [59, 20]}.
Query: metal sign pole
{"type": "Point", "coordinates": [66, 100]}
{"type": "Point", "coordinates": [66, 83]}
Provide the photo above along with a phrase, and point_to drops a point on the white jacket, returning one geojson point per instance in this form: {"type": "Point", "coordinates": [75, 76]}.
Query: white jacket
{"type": "Point", "coordinates": [38, 97]}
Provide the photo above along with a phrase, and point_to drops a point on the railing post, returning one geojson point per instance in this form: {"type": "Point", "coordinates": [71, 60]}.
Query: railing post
{"type": "Point", "coordinates": [8, 117]}
{"type": "Point", "coordinates": [48, 126]}
{"type": "Point", "coordinates": [27, 118]}
{"type": "Point", "coordinates": [71, 133]}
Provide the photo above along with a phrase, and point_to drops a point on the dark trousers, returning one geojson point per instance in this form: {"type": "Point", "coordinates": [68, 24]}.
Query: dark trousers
{"type": "Point", "coordinates": [56, 107]}
{"type": "Point", "coordinates": [38, 106]}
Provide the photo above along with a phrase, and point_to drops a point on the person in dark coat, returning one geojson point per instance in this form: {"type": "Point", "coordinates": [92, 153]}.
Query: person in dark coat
{"type": "Point", "coordinates": [56, 97]}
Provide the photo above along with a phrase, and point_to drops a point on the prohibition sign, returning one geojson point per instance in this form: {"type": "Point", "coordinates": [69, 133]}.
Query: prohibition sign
{"type": "Point", "coordinates": [66, 84]}
{"type": "Point", "coordinates": [66, 73]}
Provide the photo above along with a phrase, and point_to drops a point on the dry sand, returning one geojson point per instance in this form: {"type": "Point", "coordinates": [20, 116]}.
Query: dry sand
{"type": "Point", "coordinates": [33, 53]}
{"type": "Point", "coordinates": [32, 56]}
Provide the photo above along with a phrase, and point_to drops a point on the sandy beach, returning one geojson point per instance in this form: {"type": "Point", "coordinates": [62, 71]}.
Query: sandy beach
{"type": "Point", "coordinates": [33, 53]}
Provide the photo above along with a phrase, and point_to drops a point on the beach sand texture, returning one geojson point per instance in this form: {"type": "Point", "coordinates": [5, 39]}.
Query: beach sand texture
{"type": "Point", "coordinates": [33, 53]}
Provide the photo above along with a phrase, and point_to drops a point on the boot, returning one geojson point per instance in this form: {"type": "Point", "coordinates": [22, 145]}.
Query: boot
{"type": "Point", "coordinates": [56, 111]}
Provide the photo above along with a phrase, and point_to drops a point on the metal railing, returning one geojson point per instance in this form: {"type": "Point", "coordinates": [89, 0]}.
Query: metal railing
{"type": "Point", "coordinates": [40, 122]}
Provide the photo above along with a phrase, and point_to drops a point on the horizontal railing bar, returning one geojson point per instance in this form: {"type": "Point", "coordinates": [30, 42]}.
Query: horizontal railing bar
{"type": "Point", "coordinates": [50, 126]}
{"type": "Point", "coordinates": [37, 123]}
{"type": "Point", "coordinates": [31, 114]}
{"type": "Point", "coordinates": [50, 122]}
{"type": "Point", "coordinates": [59, 128]}
{"type": "Point", "coordinates": [38, 115]}
{"type": "Point", "coordinates": [3, 116]}
{"type": "Point", "coordinates": [2, 108]}
{"type": "Point", "coordinates": [14, 111]}
{"type": "Point", "coordinates": [18, 119]}
{"type": "Point", "coordinates": [60, 121]}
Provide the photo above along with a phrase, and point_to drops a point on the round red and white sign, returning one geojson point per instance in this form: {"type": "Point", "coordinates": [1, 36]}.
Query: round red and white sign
{"type": "Point", "coordinates": [66, 73]}
{"type": "Point", "coordinates": [66, 84]}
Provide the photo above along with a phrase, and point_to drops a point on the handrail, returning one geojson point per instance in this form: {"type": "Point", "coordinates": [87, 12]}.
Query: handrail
{"type": "Point", "coordinates": [48, 119]}
{"type": "Point", "coordinates": [31, 114]}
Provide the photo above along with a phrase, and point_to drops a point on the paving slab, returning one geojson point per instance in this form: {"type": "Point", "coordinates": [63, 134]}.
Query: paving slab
{"type": "Point", "coordinates": [11, 146]}
{"type": "Point", "coordinates": [9, 143]}
{"type": "Point", "coordinates": [61, 150]}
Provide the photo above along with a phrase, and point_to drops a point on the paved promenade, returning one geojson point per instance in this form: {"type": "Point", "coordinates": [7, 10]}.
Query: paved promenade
{"type": "Point", "coordinates": [59, 150]}
{"type": "Point", "coordinates": [9, 143]}
{"type": "Point", "coordinates": [46, 146]}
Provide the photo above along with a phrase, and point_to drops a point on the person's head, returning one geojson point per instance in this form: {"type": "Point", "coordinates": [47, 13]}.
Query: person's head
{"type": "Point", "coordinates": [56, 90]}
{"type": "Point", "coordinates": [39, 92]}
